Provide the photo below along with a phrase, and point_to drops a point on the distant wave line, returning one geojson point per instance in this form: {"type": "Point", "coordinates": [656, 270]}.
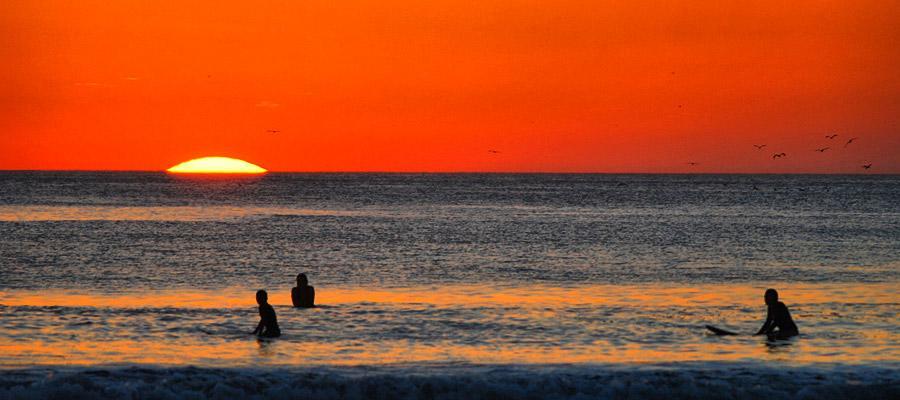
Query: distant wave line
{"type": "Point", "coordinates": [158, 213]}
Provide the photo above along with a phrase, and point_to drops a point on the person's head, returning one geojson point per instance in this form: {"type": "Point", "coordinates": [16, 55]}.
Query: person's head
{"type": "Point", "coordinates": [771, 296]}
{"type": "Point", "coordinates": [262, 297]}
{"type": "Point", "coordinates": [301, 280]}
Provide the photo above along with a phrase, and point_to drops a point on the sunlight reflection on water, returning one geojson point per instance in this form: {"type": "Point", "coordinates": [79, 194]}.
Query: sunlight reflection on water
{"type": "Point", "coordinates": [464, 323]}
{"type": "Point", "coordinates": [155, 213]}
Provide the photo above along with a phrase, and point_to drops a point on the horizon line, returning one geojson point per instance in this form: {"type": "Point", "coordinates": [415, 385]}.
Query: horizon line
{"type": "Point", "coordinates": [463, 172]}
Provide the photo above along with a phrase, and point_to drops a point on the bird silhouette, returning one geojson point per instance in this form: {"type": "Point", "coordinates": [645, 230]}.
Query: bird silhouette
{"type": "Point", "coordinates": [692, 163]}
{"type": "Point", "coordinates": [493, 152]}
{"type": "Point", "coordinates": [272, 130]}
{"type": "Point", "coordinates": [779, 155]}
{"type": "Point", "coordinates": [822, 150]}
{"type": "Point", "coordinates": [759, 146]}
{"type": "Point", "coordinates": [850, 141]}
{"type": "Point", "coordinates": [867, 166]}
{"type": "Point", "coordinates": [831, 136]}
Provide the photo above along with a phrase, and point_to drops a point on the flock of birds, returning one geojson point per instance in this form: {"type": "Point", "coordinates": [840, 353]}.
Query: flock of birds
{"type": "Point", "coordinates": [693, 163]}
{"type": "Point", "coordinates": [820, 150]}
{"type": "Point", "coordinates": [833, 136]}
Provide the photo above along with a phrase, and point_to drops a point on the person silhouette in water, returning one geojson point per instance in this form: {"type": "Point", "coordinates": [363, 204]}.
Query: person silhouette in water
{"type": "Point", "coordinates": [778, 317]}
{"type": "Point", "coordinates": [303, 295]}
{"type": "Point", "coordinates": [268, 322]}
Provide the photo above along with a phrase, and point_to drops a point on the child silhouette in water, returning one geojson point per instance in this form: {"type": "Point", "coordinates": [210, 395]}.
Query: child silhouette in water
{"type": "Point", "coordinates": [268, 322]}
{"type": "Point", "coordinates": [778, 317]}
{"type": "Point", "coordinates": [303, 295]}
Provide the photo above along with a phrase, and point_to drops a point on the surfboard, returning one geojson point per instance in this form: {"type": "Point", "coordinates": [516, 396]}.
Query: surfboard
{"type": "Point", "coordinates": [720, 332]}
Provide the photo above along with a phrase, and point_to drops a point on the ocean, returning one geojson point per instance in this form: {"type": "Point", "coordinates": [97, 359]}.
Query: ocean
{"type": "Point", "coordinates": [141, 285]}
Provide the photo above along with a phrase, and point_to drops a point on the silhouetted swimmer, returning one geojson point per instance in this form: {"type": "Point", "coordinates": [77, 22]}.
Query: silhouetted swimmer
{"type": "Point", "coordinates": [778, 317]}
{"type": "Point", "coordinates": [268, 322]}
{"type": "Point", "coordinates": [303, 295]}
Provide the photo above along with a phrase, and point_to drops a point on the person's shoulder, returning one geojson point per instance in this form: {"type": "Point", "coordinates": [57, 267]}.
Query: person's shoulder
{"type": "Point", "coordinates": [781, 305]}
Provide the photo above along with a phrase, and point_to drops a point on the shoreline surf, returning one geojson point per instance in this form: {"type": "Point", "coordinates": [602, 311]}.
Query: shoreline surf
{"type": "Point", "coordinates": [460, 381]}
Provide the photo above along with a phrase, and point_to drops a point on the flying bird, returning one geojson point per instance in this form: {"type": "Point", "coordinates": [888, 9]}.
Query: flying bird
{"type": "Point", "coordinates": [493, 152]}
{"type": "Point", "coordinates": [692, 163]}
{"type": "Point", "coordinates": [822, 150]}
{"type": "Point", "coordinates": [850, 141]}
{"type": "Point", "coordinates": [867, 166]}
{"type": "Point", "coordinates": [779, 155]}
{"type": "Point", "coordinates": [759, 146]}
{"type": "Point", "coordinates": [272, 131]}
{"type": "Point", "coordinates": [831, 136]}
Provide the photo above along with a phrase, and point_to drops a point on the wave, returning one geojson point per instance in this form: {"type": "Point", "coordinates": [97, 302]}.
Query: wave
{"type": "Point", "coordinates": [446, 381]}
{"type": "Point", "coordinates": [41, 213]}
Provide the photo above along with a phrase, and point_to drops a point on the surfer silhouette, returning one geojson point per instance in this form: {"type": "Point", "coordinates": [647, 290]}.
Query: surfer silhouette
{"type": "Point", "coordinates": [268, 322]}
{"type": "Point", "coordinates": [303, 295]}
{"type": "Point", "coordinates": [779, 324]}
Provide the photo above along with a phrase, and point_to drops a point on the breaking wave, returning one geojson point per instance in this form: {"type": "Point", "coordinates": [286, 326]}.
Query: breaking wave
{"type": "Point", "coordinates": [660, 381]}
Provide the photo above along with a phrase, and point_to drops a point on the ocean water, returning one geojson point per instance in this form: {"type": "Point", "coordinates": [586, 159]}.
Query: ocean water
{"type": "Point", "coordinates": [141, 285]}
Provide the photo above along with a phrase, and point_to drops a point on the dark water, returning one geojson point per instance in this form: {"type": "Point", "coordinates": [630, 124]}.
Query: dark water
{"type": "Point", "coordinates": [111, 231]}
{"type": "Point", "coordinates": [556, 285]}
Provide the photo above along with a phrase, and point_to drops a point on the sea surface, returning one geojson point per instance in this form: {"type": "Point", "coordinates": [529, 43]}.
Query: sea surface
{"type": "Point", "coordinates": [141, 285]}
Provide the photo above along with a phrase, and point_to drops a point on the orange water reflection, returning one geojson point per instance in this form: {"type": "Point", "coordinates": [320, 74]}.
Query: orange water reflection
{"type": "Point", "coordinates": [875, 327]}
{"type": "Point", "coordinates": [152, 213]}
{"type": "Point", "coordinates": [229, 353]}
{"type": "Point", "coordinates": [447, 295]}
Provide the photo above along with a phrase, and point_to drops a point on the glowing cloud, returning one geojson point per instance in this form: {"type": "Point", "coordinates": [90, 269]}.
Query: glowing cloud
{"type": "Point", "coordinates": [216, 165]}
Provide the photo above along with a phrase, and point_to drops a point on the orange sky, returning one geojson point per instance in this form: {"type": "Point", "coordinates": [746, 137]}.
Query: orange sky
{"type": "Point", "coordinates": [587, 86]}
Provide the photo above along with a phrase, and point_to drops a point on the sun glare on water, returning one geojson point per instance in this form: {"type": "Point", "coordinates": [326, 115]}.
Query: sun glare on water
{"type": "Point", "coordinates": [216, 165]}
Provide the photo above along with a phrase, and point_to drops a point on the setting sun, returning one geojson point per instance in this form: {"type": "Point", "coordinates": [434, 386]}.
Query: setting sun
{"type": "Point", "coordinates": [216, 165]}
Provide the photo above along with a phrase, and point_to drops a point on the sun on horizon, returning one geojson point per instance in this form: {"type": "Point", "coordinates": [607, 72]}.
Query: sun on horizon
{"type": "Point", "coordinates": [216, 165]}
